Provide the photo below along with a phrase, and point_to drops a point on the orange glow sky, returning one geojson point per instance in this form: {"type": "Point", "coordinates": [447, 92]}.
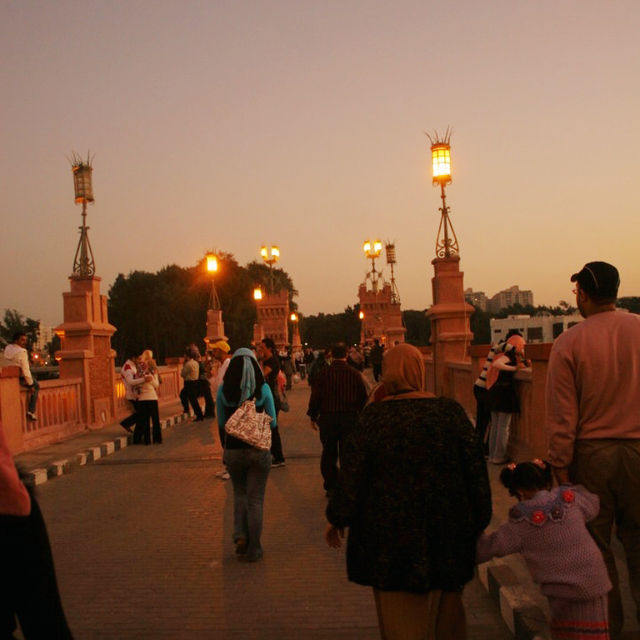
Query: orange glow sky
{"type": "Point", "coordinates": [231, 124]}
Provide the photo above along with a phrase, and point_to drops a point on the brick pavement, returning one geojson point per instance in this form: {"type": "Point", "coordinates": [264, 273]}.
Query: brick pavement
{"type": "Point", "coordinates": [142, 543]}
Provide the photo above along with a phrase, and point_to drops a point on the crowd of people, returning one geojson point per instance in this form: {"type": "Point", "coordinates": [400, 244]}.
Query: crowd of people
{"type": "Point", "coordinates": [406, 472]}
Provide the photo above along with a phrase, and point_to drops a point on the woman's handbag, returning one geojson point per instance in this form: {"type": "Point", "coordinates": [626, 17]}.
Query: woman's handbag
{"type": "Point", "coordinates": [251, 427]}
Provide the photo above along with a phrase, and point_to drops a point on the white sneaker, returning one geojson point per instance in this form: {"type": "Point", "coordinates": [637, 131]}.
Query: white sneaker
{"type": "Point", "coordinates": [32, 416]}
{"type": "Point", "coordinates": [223, 474]}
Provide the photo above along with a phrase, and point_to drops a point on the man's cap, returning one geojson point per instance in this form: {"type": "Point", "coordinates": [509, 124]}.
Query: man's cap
{"type": "Point", "coordinates": [222, 345]}
{"type": "Point", "coordinates": [599, 279]}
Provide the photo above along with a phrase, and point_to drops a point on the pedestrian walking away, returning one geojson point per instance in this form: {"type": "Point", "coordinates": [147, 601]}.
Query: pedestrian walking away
{"type": "Point", "coordinates": [271, 367]}
{"type": "Point", "coordinates": [593, 419]}
{"type": "Point", "coordinates": [414, 492]}
{"type": "Point", "coordinates": [248, 466]}
{"type": "Point", "coordinates": [336, 400]}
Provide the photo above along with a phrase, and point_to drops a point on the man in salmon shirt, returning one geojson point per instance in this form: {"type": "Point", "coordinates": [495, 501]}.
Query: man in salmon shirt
{"type": "Point", "coordinates": [593, 418]}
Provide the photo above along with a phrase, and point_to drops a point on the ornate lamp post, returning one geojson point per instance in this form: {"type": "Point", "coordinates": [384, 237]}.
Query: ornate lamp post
{"type": "Point", "coordinates": [270, 256]}
{"type": "Point", "coordinates": [212, 269]}
{"type": "Point", "coordinates": [83, 263]}
{"type": "Point", "coordinates": [372, 251]}
{"type": "Point", "coordinates": [446, 241]}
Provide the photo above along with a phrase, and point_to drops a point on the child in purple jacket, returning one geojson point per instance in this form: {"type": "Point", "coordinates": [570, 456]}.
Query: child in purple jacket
{"type": "Point", "coordinates": [548, 527]}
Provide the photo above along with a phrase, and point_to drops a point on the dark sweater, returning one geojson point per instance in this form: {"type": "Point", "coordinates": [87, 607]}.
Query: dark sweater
{"type": "Point", "coordinates": [414, 492]}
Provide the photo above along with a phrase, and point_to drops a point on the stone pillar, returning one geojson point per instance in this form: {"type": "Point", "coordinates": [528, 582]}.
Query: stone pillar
{"type": "Point", "coordinates": [273, 315]}
{"type": "Point", "coordinates": [450, 328]}
{"type": "Point", "coordinates": [215, 327]}
{"type": "Point", "coordinates": [296, 343]}
{"type": "Point", "coordinates": [86, 349]}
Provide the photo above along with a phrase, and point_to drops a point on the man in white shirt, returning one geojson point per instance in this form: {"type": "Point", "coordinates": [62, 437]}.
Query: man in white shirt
{"type": "Point", "coordinates": [131, 379]}
{"type": "Point", "coordinates": [17, 353]}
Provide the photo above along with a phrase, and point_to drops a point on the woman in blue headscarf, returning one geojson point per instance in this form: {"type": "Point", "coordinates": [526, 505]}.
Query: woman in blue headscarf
{"type": "Point", "coordinates": [248, 467]}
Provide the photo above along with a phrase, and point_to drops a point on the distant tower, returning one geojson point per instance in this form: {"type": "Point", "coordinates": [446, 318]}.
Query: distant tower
{"type": "Point", "coordinates": [390, 250]}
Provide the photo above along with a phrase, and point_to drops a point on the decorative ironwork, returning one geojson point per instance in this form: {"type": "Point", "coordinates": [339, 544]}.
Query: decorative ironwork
{"type": "Point", "coordinates": [390, 250]}
{"type": "Point", "coordinates": [83, 262]}
{"type": "Point", "coordinates": [446, 240]}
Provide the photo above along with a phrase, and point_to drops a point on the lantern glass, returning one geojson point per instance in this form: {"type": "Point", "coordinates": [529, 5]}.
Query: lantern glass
{"type": "Point", "coordinates": [275, 252]}
{"type": "Point", "coordinates": [377, 248]}
{"type": "Point", "coordinates": [212, 263]}
{"type": "Point", "coordinates": [82, 183]}
{"type": "Point", "coordinates": [441, 156]}
{"type": "Point", "coordinates": [361, 315]}
{"type": "Point", "coordinates": [257, 293]}
{"type": "Point", "coordinates": [294, 317]}
{"type": "Point", "coordinates": [367, 247]}
{"type": "Point", "coordinates": [264, 252]}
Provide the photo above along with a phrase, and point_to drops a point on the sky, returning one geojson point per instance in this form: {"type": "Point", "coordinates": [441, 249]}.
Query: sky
{"type": "Point", "coordinates": [226, 125]}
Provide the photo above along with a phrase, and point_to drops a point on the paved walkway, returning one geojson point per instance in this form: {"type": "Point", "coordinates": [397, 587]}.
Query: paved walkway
{"type": "Point", "coordinates": [142, 544]}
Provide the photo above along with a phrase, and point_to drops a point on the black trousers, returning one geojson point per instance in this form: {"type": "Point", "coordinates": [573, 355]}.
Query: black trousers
{"type": "Point", "coordinates": [129, 421]}
{"type": "Point", "coordinates": [276, 443]}
{"type": "Point", "coordinates": [377, 371]}
{"type": "Point", "coordinates": [209, 405]}
{"type": "Point", "coordinates": [28, 586]}
{"type": "Point", "coordinates": [334, 428]}
{"type": "Point", "coordinates": [483, 415]}
{"type": "Point", "coordinates": [149, 416]}
{"type": "Point", "coordinates": [192, 389]}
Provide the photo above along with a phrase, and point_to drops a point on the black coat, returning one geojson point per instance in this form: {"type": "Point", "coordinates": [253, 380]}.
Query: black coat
{"type": "Point", "coordinates": [414, 491]}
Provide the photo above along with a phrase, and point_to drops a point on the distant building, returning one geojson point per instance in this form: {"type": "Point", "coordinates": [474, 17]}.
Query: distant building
{"type": "Point", "coordinates": [477, 298]}
{"type": "Point", "coordinates": [45, 336]}
{"type": "Point", "coordinates": [509, 297]}
{"type": "Point", "coordinates": [543, 328]}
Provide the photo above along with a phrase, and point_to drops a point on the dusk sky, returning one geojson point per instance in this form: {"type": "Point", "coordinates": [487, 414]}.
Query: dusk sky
{"type": "Point", "coordinates": [231, 124]}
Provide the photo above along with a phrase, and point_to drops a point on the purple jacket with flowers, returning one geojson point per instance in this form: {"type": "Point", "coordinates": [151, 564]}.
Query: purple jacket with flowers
{"type": "Point", "coordinates": [549, 531]}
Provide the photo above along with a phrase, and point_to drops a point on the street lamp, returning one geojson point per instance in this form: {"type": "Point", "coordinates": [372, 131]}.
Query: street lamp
{"type": "Point", "coordinates": [257, 293]}
{"type": "Point", "coordinates": [446, 245]}
{"type": "Point", "coordinates": [293, 317]}
{"type": "Point", "coordinates": [212, 268]}
{"type": "Point", "coordinates": [372, 251]}
{"type": "Point", "coordinates": [361, 315]}
{"type": "Point", "coordinates": [270, 256]}
{"type": "Point", "coordinates": [84, 265]}
{"type": "Point", "coordinates": [390, 250]}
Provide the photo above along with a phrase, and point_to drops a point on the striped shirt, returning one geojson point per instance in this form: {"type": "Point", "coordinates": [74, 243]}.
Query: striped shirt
{"type": "Point", "coordinates": [339, 389]}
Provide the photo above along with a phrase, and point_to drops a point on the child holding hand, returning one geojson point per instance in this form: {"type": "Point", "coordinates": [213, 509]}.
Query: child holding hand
{"type": "Point", "coordinates": [548, 527]}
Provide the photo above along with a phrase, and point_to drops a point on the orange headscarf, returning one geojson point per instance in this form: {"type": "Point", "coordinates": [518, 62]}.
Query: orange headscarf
{"type": "Point", "coordinates": [403, 373]}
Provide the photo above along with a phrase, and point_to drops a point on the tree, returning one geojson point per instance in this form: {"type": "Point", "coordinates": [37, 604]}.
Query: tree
{"type": "Point", "coordinates": [418, 327]}
{"type": "Point", "coordinates": [632, 303]}
{"type": "Point", "coordinates": [14, 322]}
{"type": "Point", "coordinates": [324, 330]}
{"type": "Point", "coordinates": [166, 311]}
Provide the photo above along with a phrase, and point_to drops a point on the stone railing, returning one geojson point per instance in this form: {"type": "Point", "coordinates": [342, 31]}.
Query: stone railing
{"type": "Point", "coordinates": [528, 436]}
{"type": "Point", "coordinates": [59, 407]}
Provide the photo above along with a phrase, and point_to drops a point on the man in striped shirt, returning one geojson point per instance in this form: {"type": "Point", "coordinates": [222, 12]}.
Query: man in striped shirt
{"type": "Point", "coordinates": [337, 397]}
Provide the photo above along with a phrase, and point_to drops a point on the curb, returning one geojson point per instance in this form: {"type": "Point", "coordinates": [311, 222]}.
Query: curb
{"type": "Point", "coordinates": [35, 477]}
{"type": "Point", "coordinates": [520, 613]}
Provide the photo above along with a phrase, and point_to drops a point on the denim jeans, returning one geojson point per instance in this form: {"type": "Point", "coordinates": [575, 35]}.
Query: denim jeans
{"type": "Point", "coordinates": [499, 436]}
{"type": "Point", "coordinates": [33, 391]}
{"type": "Point", "coordinates": [249, 470]}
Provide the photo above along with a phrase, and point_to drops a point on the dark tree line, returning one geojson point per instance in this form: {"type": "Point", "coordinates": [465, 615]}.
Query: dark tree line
{"type": "Point", "coordinates": [165, 311]}
{"type": "Point", "coordinates": [13, 322]}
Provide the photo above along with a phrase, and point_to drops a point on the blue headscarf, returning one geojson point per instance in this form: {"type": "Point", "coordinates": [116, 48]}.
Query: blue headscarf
{"type": "Point", "coordinates": [248, 380]}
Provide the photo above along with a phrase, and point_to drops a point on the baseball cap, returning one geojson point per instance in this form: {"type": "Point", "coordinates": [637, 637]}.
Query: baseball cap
{"type": "Point", "coordinates": [222, 345]}
{"type": "Point", "coordinates": [599, 279]}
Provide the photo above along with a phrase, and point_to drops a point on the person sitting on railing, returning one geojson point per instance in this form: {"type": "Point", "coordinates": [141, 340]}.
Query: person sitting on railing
{"type": "Point", "coordinates": [17, 353]}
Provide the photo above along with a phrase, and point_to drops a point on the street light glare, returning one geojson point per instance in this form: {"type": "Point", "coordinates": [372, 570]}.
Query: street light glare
{"type": "Point", "coordinates": [264, 253]}
{"type": "Point", "coordinates": [275, 252]}
{"type": "Point", "coordinates": [212, 263]}
{"type": "Point", "coordinates": [257, 293]}
{"type": "Point", "coordinates": [441, 157]}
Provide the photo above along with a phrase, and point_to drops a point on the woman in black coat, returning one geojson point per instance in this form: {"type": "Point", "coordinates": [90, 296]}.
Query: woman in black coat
{"type": "Point", "coordinates": [414, 492]}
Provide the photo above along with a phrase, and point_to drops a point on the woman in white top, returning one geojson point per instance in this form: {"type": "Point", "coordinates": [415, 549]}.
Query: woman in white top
{"type": "Point", "coordinates": [148, 403]}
